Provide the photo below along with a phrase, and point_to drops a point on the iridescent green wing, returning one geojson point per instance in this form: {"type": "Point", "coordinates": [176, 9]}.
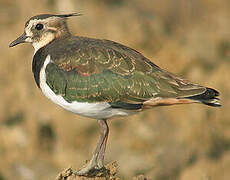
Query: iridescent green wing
{"type": "Point", "coordinates": [90, 70]}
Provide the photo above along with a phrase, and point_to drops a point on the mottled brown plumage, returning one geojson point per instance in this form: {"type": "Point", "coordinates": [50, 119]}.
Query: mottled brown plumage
{"type": "Point", "coordinates": [94, 70]}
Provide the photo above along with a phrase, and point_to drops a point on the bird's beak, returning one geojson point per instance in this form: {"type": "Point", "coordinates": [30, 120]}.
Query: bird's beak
{"type": "Point", "coordinates": [21, 39]}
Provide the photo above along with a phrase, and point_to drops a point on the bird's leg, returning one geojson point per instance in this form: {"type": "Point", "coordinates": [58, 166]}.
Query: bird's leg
{"type": "Point", "coordinates": [97, 161]}
{"type": "Point", "coordinates": [100, 159]}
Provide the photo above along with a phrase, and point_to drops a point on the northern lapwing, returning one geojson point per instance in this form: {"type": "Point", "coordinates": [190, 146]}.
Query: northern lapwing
{"type": "Point", "coordinates": [100, 78]}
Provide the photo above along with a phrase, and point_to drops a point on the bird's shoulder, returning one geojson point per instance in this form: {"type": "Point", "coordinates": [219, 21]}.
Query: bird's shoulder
{"type": "Point", "coordinates": [90, 56]}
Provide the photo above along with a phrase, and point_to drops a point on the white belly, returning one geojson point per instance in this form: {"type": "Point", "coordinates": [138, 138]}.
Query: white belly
{"type": "Point", "coordinates": [93, 110]}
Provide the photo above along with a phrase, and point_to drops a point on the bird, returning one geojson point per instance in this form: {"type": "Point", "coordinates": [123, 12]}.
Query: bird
{"type": "Point", "coordinates": [101, 79]}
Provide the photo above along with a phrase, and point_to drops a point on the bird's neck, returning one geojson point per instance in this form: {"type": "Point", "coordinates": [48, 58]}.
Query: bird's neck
{"type": "Point", "coordinates": [48, 39]}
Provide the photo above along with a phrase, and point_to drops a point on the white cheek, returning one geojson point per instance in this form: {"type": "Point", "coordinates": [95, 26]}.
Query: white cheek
{"type": "Point", "coordinates": [28, 31]}
{"type": "Point", "coordinates": [29, 40]}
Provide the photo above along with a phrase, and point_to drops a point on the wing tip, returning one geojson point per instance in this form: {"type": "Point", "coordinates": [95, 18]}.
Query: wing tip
{"type": "Point", "coordinates": [209, 97]}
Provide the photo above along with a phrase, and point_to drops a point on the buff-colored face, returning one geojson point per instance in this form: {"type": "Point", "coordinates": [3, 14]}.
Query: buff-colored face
{"type": "Point", "coordinates": [40, 32]}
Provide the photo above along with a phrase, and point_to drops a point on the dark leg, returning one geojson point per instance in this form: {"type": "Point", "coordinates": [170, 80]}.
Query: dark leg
{"type": "Point", "coordinates": [97, 161]}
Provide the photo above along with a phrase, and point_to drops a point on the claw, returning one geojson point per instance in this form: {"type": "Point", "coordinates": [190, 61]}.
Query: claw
{"type": "Point", "coordinates": [91, 171]}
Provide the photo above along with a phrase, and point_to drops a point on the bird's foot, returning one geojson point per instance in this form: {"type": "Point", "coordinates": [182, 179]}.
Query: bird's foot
{"type": "Point", "coordinates": [91, 170]}
{"type": "Point", "coordinates": [109, 172]}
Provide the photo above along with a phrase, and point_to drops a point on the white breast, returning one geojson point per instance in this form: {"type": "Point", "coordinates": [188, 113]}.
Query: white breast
{"type": "Point", "coordinates": [93, 110]}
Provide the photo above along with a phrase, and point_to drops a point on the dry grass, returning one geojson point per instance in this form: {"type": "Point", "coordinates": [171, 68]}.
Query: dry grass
{"type": "Point", "coordinates": [190, 38]}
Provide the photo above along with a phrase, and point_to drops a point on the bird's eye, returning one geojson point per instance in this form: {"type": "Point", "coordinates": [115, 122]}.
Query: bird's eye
{"type": "Point", "coordinates": [39, 26]}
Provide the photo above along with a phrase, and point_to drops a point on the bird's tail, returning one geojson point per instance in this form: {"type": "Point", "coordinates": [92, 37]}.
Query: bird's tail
{"type": "Point", "coordinates": [209, 97]}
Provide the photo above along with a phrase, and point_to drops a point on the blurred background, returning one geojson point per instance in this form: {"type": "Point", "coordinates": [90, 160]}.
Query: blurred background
{"type": "Point", "coordinates": [189, 38]}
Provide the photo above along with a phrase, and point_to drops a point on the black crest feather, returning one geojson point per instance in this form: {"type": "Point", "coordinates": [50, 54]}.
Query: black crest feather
{"type": "Point", "coordinates": [68, 15]}
{"type": "Point", "coordinates": [44, 16]}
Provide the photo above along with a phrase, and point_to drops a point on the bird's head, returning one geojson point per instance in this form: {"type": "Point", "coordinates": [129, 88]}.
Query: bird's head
{"type": "Point", "coordinates": [42, 29]}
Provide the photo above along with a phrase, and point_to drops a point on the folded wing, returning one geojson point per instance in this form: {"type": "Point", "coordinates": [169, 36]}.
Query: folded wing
{"type": "Point", "coordinates": [91, 70]}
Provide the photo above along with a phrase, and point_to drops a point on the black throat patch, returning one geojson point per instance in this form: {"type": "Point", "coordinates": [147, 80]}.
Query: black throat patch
{"type": "Point", "coordinates": [38, 61]}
